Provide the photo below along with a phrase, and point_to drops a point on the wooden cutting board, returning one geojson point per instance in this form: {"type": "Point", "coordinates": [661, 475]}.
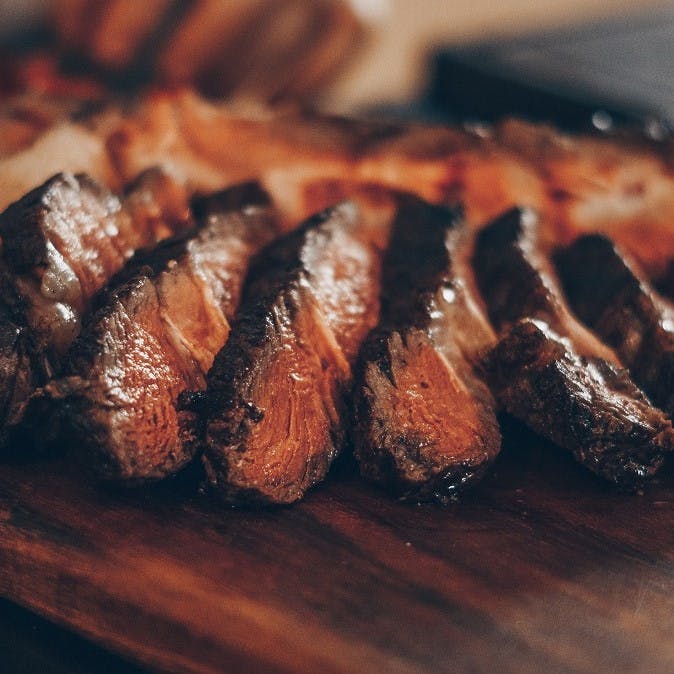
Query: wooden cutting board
{"type": "Point", "coordinates": [542, 568]}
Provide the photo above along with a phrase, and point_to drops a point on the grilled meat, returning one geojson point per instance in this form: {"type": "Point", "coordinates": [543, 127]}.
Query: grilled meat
{"type": "Point", "coordinates": [276, 392]}
{"type": "Point", "coordinates": [620, 186]}
{"type": "Point", "coordinates": [154, 339]}
{"type": "Point", "coordinates": [61, 244]}
{"type": "Point", "coordinates": [258, 47]}
{"type": "Point", "coordinates": [425, 424]}
{"type": "Point", "coordinates": [611, 296]}
{"type": "Point", "coordinates": [551, 373]}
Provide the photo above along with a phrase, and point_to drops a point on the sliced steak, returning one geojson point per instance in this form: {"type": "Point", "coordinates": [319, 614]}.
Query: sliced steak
{"type": "Point", "coordinates": [276, 392]}
{"type": "Point", "coordinates": [608, 292]}
{"type": "Point", "coordinates": [155, 338]}
{"type": "Point", "coordinates": [425, 425]}
{"type": "Point", "coordinates": [61, 244]}
{"type": "Point", "coordinates": [552, 373]}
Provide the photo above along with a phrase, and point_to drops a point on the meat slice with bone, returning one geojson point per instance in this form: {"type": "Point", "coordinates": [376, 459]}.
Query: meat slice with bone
{"type": "Point", "coordinates": [61, 244]}
{"type": "Point", "coordinates": [154, 339]}
{"type": "Point", "coordinates": [553, 374]}
{"type": "Point", "coordinates": [425, 424]}
{"type": "Point", "coordinates": [276, 393]}
{"type": "Point", "coordinates": [608, 292]}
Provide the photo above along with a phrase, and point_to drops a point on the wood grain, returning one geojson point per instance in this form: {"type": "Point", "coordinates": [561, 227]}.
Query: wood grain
{"type": "Point", "coordinates": [542, 568]}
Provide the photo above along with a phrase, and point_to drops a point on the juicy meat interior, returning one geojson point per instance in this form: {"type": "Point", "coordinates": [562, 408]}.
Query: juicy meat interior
{"type": "Point", "coordinates": [155, 338]}
{"type": "Point", "coordinates": [61, 244]}
{"type": "Point", "coordinates": [275, 400]}
{"type": "Point", "coordinates": [553, 374]}
{"type": "Point", "coordinates": [425, 424]}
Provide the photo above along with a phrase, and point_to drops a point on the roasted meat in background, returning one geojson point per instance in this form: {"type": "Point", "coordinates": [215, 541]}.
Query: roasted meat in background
{"type": "Point", "coordinates": [623, 187]}
{"type": "Point", "coordinates": [425, 425]}
{"type": "Point", "coordinates": [276, 399]}
{"type": "Point", "coordinates": [152, 340]}
{"type": "Point", "coordinates": [263, 48]}
{"type": "Point", "coordinates": [61, 244]}
{"type": "Point", "coordinates": [554, 375]}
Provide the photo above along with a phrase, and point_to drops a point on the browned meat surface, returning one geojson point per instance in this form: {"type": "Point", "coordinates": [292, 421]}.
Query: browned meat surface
{"type": "Point", "coordinates": [276, 392]}
{"type": "Point", "coordinates": [621, 186]}
{"type": "Point", "coordinates": [554, 375]}
{"type": "Point", "coordinates": [609, 293]}
{"type": "Point", "coordinates": [61, 244]}
{"type": "Point", "coordinates": [239, 47]}
{"type": "Point", "coordinates": [153, 339]}
{"type": "Point", "coordinates": [66, 147]}
{"type": "Point", "coordinates": [425, 425]}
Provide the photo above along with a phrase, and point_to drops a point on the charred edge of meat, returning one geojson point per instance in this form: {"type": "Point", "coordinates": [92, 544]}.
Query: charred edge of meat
{"type": "Point", "coordinates": [57, 250]}
{"type": "Point", "coordinates": [418, 261]}
{"type": "Point", "coordinates": [517, 280]}
{"type": "Point", "coordinates": [609, 295]}
{"type": "Point", "coordinates": [16, 371]}
{"type": "Point", "coordinates": [25, 241]}
{"type": "Point", "coordinates": [423, 430]}
{"type": "Point", "coordinates": [245, 193]}
{"type": "Point", "coordinates": [276, 391]}
{"type": "Point", "coordinates": [60, 244]}
{"type": "Point", "coordinates": [511, 283]}
{"type": "Point", "coordinates": [425, 425]}
{"type": "Point", "coordinates": [584, 405]}
{"type": "Point", "coordinates": [120, 404]}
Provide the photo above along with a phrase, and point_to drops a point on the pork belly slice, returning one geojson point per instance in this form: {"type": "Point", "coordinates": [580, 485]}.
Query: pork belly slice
{"type": "Point", "coordinates": [154, 339]}
{"type": "Point", "coordinates": [608, 293]}
{"type": "Point", "coordinates": [425, 425]}
{"type": "Point", "coordinates": [552, 373]}
{"type": "Point", "coordinates": [61, 244]}
{"type": "Point", "coordinates": [276, 393]}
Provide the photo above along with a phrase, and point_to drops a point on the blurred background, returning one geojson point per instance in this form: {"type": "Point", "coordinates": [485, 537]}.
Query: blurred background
{"type": "Point", "coordinates": [563, 60]}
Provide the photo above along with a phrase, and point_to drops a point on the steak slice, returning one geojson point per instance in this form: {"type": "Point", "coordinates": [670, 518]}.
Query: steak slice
{"type": "Point", "coordinates": [425, 425]}
{"type": "Point", "coordinates": [608, 292]}
{"type": "Point", "coordinates": [61, 244]}
{"type": "Point", "coordinates": [553, 374]}
{"type": "Point", "coordinates": [154, 338]}
{"type": "Point", "coordinates": [276, 392]}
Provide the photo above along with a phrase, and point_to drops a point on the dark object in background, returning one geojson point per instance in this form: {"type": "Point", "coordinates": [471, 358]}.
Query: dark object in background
{"type": "Point", "coordinates": [613, 73]}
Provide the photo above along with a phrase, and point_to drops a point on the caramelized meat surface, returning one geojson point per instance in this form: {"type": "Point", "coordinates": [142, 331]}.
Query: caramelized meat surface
{"type": "Point", "coordinates": [155, 338]}
{"type": "Point", "coordinates": [554, 375]}
{"type": "Point", "coordinates": [611, 296]}
{"type": "Point", "coordinates": [276, 392]}
{"type": "Point", "coordinates": [61, 244]}
{"type": "Point", "coordinates": [623, 187]}
{"type": "Point", "coordinates": [425, 424]}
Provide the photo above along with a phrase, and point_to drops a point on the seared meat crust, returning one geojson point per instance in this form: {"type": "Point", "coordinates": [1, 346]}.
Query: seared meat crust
{"type": "Point", "coordinates": [154, 339]}
{"type": "Point", "coordinates": [61, 244]}
{"type": "Point", "coordinates": [276, 392]}
{"type": "Point", "coordinates": [425, 425]}
{"type": "Point", "coordinates": [609, 293]}
{"type": "Point", "coordinates": [554, 375]}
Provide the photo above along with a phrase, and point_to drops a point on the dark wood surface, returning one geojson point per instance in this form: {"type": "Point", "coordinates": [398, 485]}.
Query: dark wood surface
{"type": "Point", "coordinates": [29, 644]}
{"type": "Point", "coordinates": [542, 568]}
